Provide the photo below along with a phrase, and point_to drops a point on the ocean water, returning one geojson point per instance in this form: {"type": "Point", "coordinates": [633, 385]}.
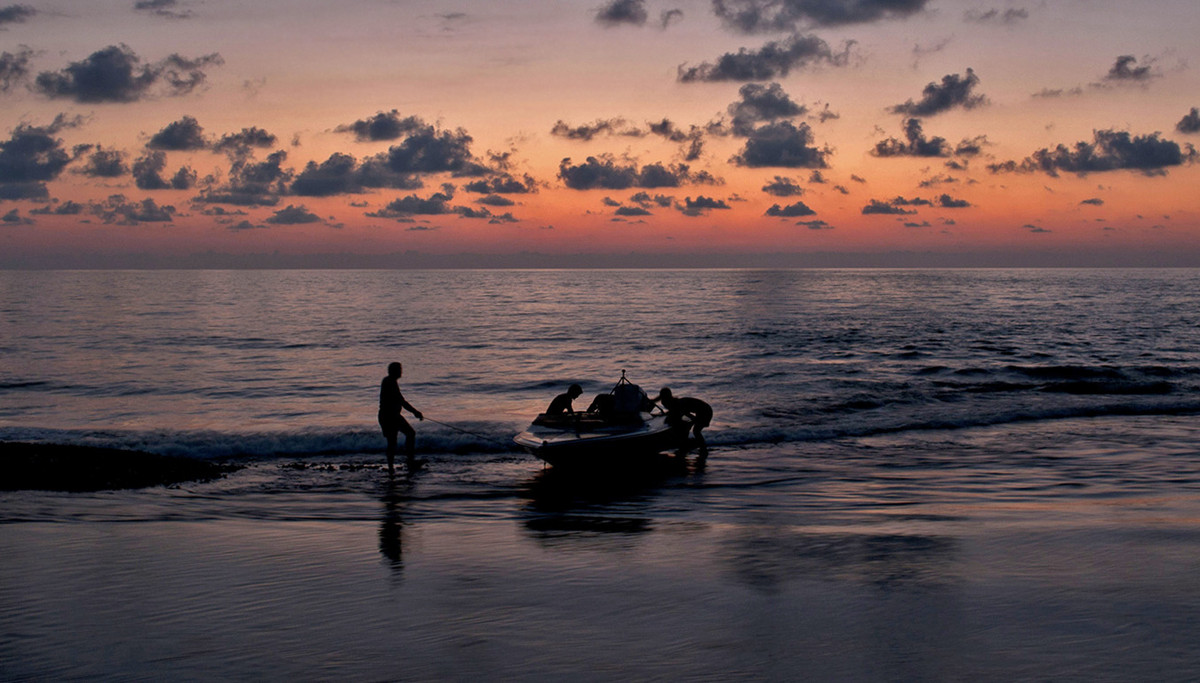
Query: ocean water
{"type": "Point", "coordinates": [915, 475]}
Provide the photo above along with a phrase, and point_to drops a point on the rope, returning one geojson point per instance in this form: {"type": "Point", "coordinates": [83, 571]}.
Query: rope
{"type": "Point", "coordinates": [467, 431]}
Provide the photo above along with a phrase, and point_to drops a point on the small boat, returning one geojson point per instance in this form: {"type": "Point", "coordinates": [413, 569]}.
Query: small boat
{"type": "Point", "coordinates": [621, 426]}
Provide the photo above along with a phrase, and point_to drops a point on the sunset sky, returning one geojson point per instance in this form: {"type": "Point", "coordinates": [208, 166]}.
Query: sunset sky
{"type": "Point", "coordinates": [647, 132]}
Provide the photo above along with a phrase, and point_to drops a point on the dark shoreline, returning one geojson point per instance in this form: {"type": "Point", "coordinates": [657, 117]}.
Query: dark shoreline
{"type": "Point", "coordinates": [62, 467]}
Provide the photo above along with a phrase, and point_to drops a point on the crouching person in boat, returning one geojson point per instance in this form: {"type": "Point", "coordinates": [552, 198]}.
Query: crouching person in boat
{"type": "Point", "coordinates": [699, 412]}
{"type": "Point", "coordinates": [560, 408]}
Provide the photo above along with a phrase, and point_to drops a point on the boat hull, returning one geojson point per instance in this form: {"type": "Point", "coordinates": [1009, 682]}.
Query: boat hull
{"type": "Point", "coordinates": [603, 445]}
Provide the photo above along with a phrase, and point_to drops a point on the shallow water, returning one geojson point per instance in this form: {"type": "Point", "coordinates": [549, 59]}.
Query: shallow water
{"type": "Point", "coordinates": [917, 475]}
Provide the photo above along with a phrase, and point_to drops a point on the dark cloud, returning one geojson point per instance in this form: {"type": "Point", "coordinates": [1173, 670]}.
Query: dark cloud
{"type": "Point", "coordinates": [31, 156]}
{"type": "Point", "coordinates": [183, 135]}
{"type": "Point", "coordinates": [915, 144]}
{"type": "Point", "coordinates": [16, 14]}
{"type": "Point", "coordinates": [495, 200]}
{"type": "Point", "coordinates": [14, 218]}
{"type": "Point", "coordinates": [691, 139]}
{"type": "Point", "coordinates": [412, 205]}
{"type": "Point", "coordinates": [242, 142]}
{"type": "Point", "coordinates": [816, 225]}
{"type": "Point", "coordinates": [1109, 150]}
{"type": "Point", "coordinates": [668, 17]}
{"type": "Point", "coordinates": [105, 163]}
{"type": "Point", "coordinates": [701, 205]}
{"type": "Point", "coordinates": [428, 150]}
{"type": "Point", "coordinates": [502, 184]}
{"type": "Point", "coordinates": [14, 67]}
{"type": "Point", "coordinates": [773, 16]}
{"type": "Point", "coordinates": [954, 91]}
{"type": "Point", "coordinates": [618, 12]}
{"type": "Point", "coordinates": [889, 208]}
{"type": "Point", "coordinates": [383, 125]}
{"type": "Point", "coordinates": [947, 202]}
{"type": "Point", "coordinates": [587, 131]}
{"type": "Point", "coordinates": [995, 16]}
{"type": "Point", "coordinates": [1124, 70]}
{"type": "Point", "coordinates": [817, 178]}
{"type": "Point", "coordinates": [67, 208]}
{"type": "Point", "coordinates": [293, 215]}
{"type": "Point", "coordinates": [116, 74]}
{"type": "Point", "coordinates": [783, 187]}
{"type": "Point", "coordinates": [940, 179]}
{"type": "Point", "coordinates": [1190, 123]}
{"type": "Point", "coordinates": [797, 210]}
{"type": "Point", "coordinates": [342, 174]}
{"type": "Point", "coordinates": [163, 8]}
{"type": "Point", "coordinates": [147, 172]}
{"type": "Point", "coordinates": [774, 60]}
{"type": "Point", "coordinates": [116, 209]}
{"type": "Point", "coordinates": [606, 173]}
{"type": "Point", "coordinates": [1094, 201]}
{"type": "Point", "coordinates": [782, 144]}
{"type": "Point", "coordinates": [252, 183]}
{"type": "Point", "coordinates": [761, 103]}
{"type": "Point", "coordinates": [644, 200]}
{"type": "Point", "coordinates": [632, 211]}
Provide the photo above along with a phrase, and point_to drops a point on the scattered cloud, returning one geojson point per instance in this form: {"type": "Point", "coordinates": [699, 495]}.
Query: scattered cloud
{"type": "Point", "coordinates": [1190, 123]}
{"type": "Point", "coordinates": [620, 12]}
{"type": "Point", "coordinates": [797, 210]}
{"type": "Point", "coordinates": [241, 143]}
{"type": "Point", "coordinates": [1013, 15]}
{"type": "Point", "coordinates": [605, 172]}
{"type": "Point", "coordinates": [774, 60]}
{"type": "Point", "coordinates": [953, 91]}
{"type": "Point", "coordinates": [383, 126]}
{"type": "Point", "coordinates": [915, 143]}
{"type": "Point", "coordinates": [31, 156]}
{"type": "Point", "coordinates": [251, 183]}
{"type": "Point", "coordinates": [186, 134]}
{"type": "Point", "coordinates": [761, 103]}
{"type": "Point", "coordinates": [781, 186]}
{"type": "Point", "coordinates": [343, 174]}
{"type": "Point", "coordinates": [117, 74]}
{"type": "Point", "coordinates": [147, 174]}
{"type": "Point", "coordinates": [1109, 150]}
{"type": "Point", "coordinates": [782, 144]}
{"type": "Point", "coordinates": [815, 225]}
{"type": "Point", "coordinates": [14, 67]}
{"type": "Point", "coordinates": [16, 14]}
{"type": "Point", "coordinates": [503, 183]}
{"type": "Point", "coordinates": [1124, 70]}
{"type": "Point", "coordinates": [14, 218]}
{"type": "Point", "coordinates": [293, 215]}
{"type": "Point", "coordinates": [105, 163]}
{"type": "Point", "coordinates": [668, 17]}
{"type": "Point", "coordinates": [701, 205]}
{"type": "Point", "coordinates": [116, 209]}
{"type": "Point", "coordinates": [588, 131]}
{"type": "Point", "coordinates": [774, 16]}
{"type": "Point", "coordinates": [169, 9]}
{"type": "Point", "coordinates": [1094, 201]}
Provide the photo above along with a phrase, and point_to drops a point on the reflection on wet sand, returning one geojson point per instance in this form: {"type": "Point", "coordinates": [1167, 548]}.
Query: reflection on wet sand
{"type": "Point", "coordinates": [767, 558]}
{"type": "Point", "coordinates": [564, 503]}
{"type": "Point", "coordinates": [391, 526]}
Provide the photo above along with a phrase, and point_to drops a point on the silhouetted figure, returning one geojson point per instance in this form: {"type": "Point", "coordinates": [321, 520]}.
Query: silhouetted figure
{"type": "Point", "coordinates": [562, 403]}
{"type": "Point", "coordinates": [391, 401]}
{"type": "Point", "coordinates": [699, 412]}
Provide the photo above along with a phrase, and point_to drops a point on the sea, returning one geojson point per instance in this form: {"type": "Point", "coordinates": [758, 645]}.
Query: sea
{"type": "Point", "coordinates": [915, 475]}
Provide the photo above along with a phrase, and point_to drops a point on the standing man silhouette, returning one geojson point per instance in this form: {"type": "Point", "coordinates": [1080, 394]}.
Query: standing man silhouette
{"type": "Point", "coordinates": [391, 401]}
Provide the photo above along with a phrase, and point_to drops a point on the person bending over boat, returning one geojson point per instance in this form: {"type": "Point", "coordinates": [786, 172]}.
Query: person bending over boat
{"type": "Point", "coordinates": [391, 402]}
{"type": "Point", "coordinates": [561, 405]}
{"type": "Point", "coordinates": [699, 412]}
